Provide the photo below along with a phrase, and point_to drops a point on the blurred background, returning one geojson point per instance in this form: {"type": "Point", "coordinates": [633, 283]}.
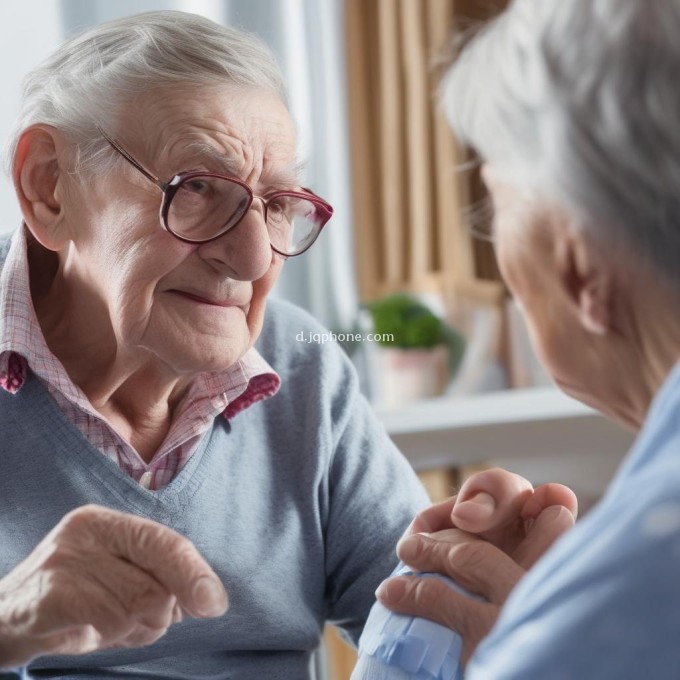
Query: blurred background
{"type": "Point", "coordinates": [453, 377]}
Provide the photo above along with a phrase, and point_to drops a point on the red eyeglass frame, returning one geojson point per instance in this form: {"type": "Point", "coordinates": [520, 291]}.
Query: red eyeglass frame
{"type": "Point", "coordinates": [171, 187]}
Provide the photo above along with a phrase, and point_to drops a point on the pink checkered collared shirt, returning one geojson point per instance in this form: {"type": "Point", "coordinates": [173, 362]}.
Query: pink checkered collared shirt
{"type": "Point", "coordinates": [249, 380]}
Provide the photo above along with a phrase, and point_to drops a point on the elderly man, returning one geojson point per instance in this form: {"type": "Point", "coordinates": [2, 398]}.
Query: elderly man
{"type": "Point", "coordinates": [154, 161]}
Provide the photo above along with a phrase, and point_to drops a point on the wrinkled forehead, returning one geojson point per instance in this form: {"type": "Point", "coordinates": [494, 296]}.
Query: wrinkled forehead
{"type": "Point", "coordinates": [244, 132]}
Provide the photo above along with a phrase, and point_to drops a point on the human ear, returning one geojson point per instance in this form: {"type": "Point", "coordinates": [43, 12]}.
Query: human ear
{"type": "Point", "coordinates": [586, 277]}
{"type": "Point", "coordinates": [37, 175]}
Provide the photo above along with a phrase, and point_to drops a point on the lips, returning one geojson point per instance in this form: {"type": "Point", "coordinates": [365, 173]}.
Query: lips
{"type": "Point", "coordinates": [213, 301]}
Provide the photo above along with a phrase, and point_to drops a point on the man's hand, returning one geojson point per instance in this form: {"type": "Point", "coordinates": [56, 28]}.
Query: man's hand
{"type": "Point", "coordinates": [102, 579]}
{"type": "Point", "coordinates": [485, 538]}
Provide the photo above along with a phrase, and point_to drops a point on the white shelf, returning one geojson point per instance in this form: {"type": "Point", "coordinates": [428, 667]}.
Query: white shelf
{"type": "Point", "coordinates": [490, 409]}
{"type": "Point", "coordinates": [535, 424]}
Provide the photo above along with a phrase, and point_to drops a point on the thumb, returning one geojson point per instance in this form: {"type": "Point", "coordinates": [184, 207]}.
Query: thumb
{"type": "Point", "coordinates": [490, 500]}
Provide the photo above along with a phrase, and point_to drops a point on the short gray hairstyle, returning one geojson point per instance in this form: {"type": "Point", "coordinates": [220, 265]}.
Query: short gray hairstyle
{"type": "Point", "coordinates": [87, 81]}
{"type": "Point", "coordinates": [579, 100]}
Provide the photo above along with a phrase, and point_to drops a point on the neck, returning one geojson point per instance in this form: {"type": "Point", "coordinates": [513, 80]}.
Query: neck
{"type": "Point", "coordinates": [131, 388]}
{"type": "Point", "coordinates": [652, 329]}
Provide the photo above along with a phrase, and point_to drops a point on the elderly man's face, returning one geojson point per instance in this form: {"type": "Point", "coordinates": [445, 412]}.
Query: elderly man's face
{"type": "Point", "coordinates": [195, 307]}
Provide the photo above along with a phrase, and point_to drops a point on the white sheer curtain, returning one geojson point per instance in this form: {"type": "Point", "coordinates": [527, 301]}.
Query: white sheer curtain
{"type": "Point", "coordinates": [29, 31]}
{"type": "Point", "coordinates": [307, 38]}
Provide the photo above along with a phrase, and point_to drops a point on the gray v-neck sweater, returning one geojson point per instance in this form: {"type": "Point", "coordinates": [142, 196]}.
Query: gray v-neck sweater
{"type": "Point", "coordinates": [296, 503]}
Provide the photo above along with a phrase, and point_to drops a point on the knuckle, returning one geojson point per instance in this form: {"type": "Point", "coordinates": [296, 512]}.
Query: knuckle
{"type": "Point", "coordinates": [148, 542]}
{"type": "Point", "coordinates": [471, 555]}
{"type": "Point", "coordinates": [423, 593]}
{"type": "Point", "coordinates": [145, 535]}
{"type": "Point", "coordinates": [145, 596]}
{"type": "Point", "coordinates": [111, 621]}
{"type": "Point", "coordinates": [160, 619]}
{"type": "Point", "coordinates": [482, 477]}
{"type": "Point", "coordinates": [187, 558]}
{"type": "Point", "coordinates": [137, 535]}
{"type": "Point", "coordinates": [84, 526]}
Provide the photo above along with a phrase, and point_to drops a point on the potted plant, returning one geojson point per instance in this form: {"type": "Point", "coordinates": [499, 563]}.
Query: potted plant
{"type": "Point", "coordinates": [417, 353]}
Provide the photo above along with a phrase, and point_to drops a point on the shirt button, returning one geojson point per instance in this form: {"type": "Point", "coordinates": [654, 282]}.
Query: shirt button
{"type": "Point", "coordinates": [145, 480]}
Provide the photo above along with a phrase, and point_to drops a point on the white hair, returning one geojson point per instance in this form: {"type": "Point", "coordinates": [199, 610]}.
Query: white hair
{"type": "Point", "coordinates": [579, 101]}
{"type": "Point", "coordinates": [86, 83]}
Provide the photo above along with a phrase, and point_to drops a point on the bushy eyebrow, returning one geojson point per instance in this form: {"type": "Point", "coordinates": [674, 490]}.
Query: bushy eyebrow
{"type": "Point", "coordinates": [284, 178]}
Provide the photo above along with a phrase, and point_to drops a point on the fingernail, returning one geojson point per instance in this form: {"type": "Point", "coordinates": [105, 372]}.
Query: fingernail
{"type": "Point", "coordinates": [485, 503]}
{"type": "Point", "coordinates": [210, 597]}
{"type": "Point", "coordinates": [392, 590]}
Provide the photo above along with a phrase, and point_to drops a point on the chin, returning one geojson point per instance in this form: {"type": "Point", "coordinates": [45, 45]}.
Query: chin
{"type": "Point", "coordinates": [202, 357]}
{"type": "Point", "coordinates": [577, 392]}
{"type": "Point", "coordinates": [603, 405]}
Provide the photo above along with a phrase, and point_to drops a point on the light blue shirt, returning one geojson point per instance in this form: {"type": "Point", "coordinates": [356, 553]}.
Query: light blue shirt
{"type": "Point", "coordinates": [604, 603]}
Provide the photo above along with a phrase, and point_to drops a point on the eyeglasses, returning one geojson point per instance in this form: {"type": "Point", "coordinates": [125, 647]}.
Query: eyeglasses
{"type": "Point", "coordinates": [198, 207]}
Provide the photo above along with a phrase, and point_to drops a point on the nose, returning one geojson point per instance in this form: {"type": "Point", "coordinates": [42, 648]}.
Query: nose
{"type": "Point", "coordinates": [244, 253]}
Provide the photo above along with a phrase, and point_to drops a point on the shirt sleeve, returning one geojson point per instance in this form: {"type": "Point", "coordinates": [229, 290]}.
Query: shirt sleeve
{"type": "Point", "coordinates": [373, 496]}
{"type": "Point", "coordinates": [604, 603]}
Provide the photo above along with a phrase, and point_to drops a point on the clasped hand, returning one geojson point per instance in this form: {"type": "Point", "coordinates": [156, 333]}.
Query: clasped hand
{"type": "Point", "coordinates": [485, 538]}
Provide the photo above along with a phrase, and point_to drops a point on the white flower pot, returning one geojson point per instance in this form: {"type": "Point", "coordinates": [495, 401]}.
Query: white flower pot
{"type": "Point", "coordinates": [405, 375]}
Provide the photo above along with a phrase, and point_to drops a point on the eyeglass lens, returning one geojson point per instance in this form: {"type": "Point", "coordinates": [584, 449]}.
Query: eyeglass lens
{"type": "Point", "coordinates": [204, 207]}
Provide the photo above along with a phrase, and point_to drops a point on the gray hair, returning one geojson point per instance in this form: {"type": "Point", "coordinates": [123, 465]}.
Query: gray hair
{"type": "Point", "coordinates": [579, 101]}
{"type": "Point", "coordinates": [87, 81]}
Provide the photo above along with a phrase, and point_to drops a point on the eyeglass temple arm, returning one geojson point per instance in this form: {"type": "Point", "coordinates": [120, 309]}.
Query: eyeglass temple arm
{"type": "Point", "coordinates": [132, 161]}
